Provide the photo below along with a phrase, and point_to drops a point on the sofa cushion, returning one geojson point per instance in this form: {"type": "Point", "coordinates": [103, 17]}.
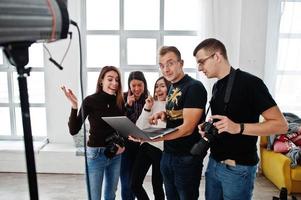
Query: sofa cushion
{"type": "Point", "coordinates": [296, 173]}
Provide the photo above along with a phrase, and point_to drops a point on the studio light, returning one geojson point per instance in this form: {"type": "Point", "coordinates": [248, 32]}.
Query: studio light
{"type": "Point", "coordinates": [22, 23]}
{"type": "Point", "coordinates": [33, 20]}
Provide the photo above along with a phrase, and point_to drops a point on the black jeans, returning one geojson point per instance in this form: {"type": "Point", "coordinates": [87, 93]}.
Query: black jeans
{"type": "Point", "coordinates": [147, 156]}
{"type": "Point", "coordinates": [126, 171]}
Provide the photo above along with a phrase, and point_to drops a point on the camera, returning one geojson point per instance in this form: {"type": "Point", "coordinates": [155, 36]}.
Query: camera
{"type": "Point", "coordinates": [283, 195]}
{"type": "Point", "coordinates": [112, 141]}
{"type": "Point", "coordinates": [201, 147]}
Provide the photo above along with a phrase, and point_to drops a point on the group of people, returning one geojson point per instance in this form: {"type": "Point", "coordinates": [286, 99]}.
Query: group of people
{"type": "Point", "coordinates": [179, 101]}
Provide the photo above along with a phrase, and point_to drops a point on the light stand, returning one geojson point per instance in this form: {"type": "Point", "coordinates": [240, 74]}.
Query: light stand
{"type": "Point", "coordinates": [17, 53]}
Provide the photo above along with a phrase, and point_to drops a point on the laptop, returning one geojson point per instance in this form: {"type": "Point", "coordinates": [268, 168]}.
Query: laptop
{"type": "Point", "coordinates": [126, 127]}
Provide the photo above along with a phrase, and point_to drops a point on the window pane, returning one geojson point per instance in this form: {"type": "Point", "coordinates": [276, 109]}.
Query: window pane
{"type": "Point", "coordinates": [186, 45]}
{"type": "Point", "coordinates": [35, 86]}
{"type": "Point", "coordinates": [15, 91]}
{"type": "Point", "coordinates": [150, 77]}
{"type": "Point", "coordinates": [288, 91]}
{"type": "Point", "coordinates": [180, 15]}
{"type": "Point", "coordinates": [141, 14]}
{"type": "Point", "coordinates": [3, 88]}
{"type": "Point", "coordinates": [5, 121]}
{"type": "Point", "coordinates": [92, 80]}
{"type": "Point", "coordinates": [136, 56]}
{"type": "Point", "coordinates": [102, 15]}
{"type": "Point", "coordinates": [289, 54]}
{"type": "Point", "coordinates": [38, 121]}
{"type": "Point", "coordinates": [36, 56]}
{"type": "Point", "coordinates": [102, 50]}
{"type": "Point", "coordinates": [290, 18]}
{"type": "Point", "coordinates": [1, 56]}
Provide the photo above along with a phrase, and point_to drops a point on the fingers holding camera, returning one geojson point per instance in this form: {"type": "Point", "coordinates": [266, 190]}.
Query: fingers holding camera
{"type": "Point", "coordinates": [120, 149]}
{"type": "Point", "coordinates": [224, 124]}
{"type": "Point", "coordinates": [201, 132]}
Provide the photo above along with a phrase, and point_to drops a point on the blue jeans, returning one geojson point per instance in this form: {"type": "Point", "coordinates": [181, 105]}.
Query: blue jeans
{"type": "Point", "coordinates": [100, 166]}
{"type": "Point", "coordinates": [181, 176]}
{"type": "Point", "coordinates": [224, 182]}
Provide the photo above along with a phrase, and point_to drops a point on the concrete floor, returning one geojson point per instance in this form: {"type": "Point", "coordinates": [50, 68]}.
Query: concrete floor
{"type": "Point", "coordinates": [13, 186]}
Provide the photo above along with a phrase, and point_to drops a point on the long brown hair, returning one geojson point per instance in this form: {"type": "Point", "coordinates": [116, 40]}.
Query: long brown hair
{"type": "Point", "coordinates": [119, 96]}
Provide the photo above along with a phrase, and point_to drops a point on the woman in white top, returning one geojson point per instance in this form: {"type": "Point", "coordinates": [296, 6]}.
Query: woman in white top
{"type": "Point", "coordinates": [150, 154]}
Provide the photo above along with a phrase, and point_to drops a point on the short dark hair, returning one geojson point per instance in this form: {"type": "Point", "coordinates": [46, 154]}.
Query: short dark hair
{"type": "Point", "coordinates": [166, 49]}
{"type": "Point", "coordinates": [212, 45]}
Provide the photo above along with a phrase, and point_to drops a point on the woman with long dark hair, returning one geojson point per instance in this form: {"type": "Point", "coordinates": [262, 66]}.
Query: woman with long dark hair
{"type": "Point", "coordinates": [106, 101]}
{"type": "Point", "coordinates": [135, 98]}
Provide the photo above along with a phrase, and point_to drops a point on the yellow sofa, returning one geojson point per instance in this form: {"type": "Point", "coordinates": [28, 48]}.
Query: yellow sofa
{"type": "Point", "coordinates": [276, 168]}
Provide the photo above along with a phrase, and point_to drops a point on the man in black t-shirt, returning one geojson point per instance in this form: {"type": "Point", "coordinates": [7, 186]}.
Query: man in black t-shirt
{"type": "Point", "coordinates": [233, 160]}
{"type": "Point", "coordinates": [186, 102]}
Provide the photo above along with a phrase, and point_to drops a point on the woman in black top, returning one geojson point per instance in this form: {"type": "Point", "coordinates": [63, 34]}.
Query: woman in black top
{"type": "Point", "coordinates": [106, 101]}
{"type": "Point", "coordinates": [135, 99]}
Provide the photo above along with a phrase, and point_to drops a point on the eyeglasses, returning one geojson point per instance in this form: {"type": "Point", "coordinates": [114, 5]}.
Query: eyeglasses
{"type": "Point", "coordinates": [201, 62]}
{"type": "Point", "coordinates": [168, 64]}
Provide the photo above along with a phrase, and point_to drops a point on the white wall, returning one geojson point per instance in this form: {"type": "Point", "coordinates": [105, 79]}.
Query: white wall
{"type": "Point", "coordinates": [57, 106]}
{"type": "Point", "coordinates": [253, 36]}
{"type": "Point", "coordinates": [240, 24]}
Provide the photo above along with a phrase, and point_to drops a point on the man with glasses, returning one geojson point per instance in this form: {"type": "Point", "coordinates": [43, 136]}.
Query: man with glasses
{"type": "Point", "coordinates": [233, 160]}
{"type": "Point", "coordinates": [185, 105]}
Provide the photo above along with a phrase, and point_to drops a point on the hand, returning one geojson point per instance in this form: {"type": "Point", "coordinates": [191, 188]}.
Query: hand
{"type": "Point", "coordinates": [134, 139]}
{"type": "Point", "coordinates": [130, 98]}
{"type": "Point", "coordinates": [120, 149]}
{"type": "Point", "coordinates": [158, 139]}
{"type": "Point", "coordinates": [155, 117]}
{"type": "Point", "coordinates": [149, 102]}
{"type": "Point", "coordinates": [224, 124]}
{"type": "Point", "coordinates": [202, 133]}
{"type": "Point", "coordinates": [70, 96]}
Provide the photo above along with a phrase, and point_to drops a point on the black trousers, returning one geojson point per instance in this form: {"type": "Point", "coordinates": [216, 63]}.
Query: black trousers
{"type": "Point", "coordinates": [147, 156]}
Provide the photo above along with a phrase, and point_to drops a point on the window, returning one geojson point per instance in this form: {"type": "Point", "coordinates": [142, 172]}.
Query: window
{"type": "Point", "coordinates": [128, 33]}
{"type": "Point", "coordinates": [288, 81]}
{"type": "Point", "coordinates": [10, 110]}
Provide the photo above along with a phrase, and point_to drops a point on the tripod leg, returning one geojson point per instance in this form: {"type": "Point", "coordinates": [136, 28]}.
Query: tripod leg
{"type": "Point", "coordinates": [29, 152]}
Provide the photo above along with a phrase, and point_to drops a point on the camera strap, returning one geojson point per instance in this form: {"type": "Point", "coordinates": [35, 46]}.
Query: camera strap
{"type": "Point", "coordinates": [229, 87]}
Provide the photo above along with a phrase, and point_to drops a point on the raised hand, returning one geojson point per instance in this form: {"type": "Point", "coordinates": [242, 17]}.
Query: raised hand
{"type": "Point", "coordinates": [70, 96]}
{"type": "Point", "coordinates": [130, 98]}
{"type": "Point", "coordinates": [149, 102]}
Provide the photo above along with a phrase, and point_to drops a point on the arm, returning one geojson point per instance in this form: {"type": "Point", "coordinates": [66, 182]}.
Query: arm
{"type": "Point", "coordinates": [142, 121]}
{"type": "Point", "coordinates": [274, 123]}
{"type": "Point", "coordinates": [75, 121]}
{"type": "Point", "coordinates": [191, 118]}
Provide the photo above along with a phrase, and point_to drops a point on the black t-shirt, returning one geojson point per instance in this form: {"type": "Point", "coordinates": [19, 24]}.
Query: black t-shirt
{"type": "Point", "coordinates": [95, 106]}
{"type": "Point", "coordinates": [186, 93]}
{"type": "Point", "coordinates": [249, 99]}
